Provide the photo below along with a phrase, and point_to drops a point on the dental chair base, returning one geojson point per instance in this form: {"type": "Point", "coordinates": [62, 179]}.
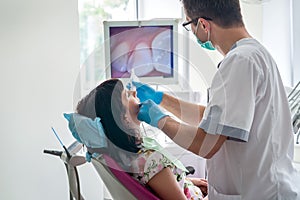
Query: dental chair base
{"type": "Point", "coordinates": [71, 161]}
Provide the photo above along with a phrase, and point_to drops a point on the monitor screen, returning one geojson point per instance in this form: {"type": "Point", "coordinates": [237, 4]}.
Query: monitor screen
{"type": "Point", "coordinates": [148, 47]}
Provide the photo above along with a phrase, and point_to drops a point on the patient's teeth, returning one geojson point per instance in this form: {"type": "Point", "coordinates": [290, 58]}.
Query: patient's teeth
{"type": "Point", "coordinates": [119, 57]}
{"type": "Point", "coordinates": [141, 60]}
{"type": "Point", "coordinates": [161, 48]}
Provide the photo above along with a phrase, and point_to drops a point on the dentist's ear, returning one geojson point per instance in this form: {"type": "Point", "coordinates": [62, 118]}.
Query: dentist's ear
{"type": "Point", "coordinates": [205, 24]}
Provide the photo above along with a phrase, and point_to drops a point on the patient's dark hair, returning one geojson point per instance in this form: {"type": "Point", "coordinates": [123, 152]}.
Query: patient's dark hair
{"type": "Point", "coordinates": [109, 107]}
{"type": "Point", "coordinates": [225, 13]}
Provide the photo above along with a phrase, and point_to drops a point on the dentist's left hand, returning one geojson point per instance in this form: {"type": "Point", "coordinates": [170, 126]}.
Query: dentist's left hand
{"type": "Point", "coordinates": [151, 113]}
{"type": "Point", "coordinates": [145, 92]}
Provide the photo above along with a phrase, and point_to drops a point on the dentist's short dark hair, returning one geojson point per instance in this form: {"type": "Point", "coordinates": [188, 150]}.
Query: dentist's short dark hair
{"type": "Point", "coordinates": [225, 13]}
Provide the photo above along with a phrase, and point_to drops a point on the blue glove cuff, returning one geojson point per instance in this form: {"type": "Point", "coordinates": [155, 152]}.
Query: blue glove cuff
{"type": "Point", "coordinates": [158, 97]}
{"type": "Point", "coordinates": [151, 113]}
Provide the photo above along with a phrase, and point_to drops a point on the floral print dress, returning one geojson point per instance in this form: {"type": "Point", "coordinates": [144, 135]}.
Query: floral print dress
{"type": "Point", "coordinates": [150, 162]}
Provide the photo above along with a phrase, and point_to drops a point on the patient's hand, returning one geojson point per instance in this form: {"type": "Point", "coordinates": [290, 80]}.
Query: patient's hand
{"type": "Point", "coordinates": [201, 183]}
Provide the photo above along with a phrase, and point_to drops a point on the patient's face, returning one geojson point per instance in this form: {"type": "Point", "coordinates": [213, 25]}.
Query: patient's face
{"type": "Point", "coordinates": [131, 103]}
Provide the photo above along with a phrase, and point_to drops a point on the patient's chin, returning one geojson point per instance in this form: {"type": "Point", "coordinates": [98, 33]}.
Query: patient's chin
{"type": "Point", "coordinates": [137, 122]}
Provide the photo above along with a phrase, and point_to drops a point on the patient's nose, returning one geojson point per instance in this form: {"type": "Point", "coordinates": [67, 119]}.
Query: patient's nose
{"type": "Point", "coordinates": [132, 93]}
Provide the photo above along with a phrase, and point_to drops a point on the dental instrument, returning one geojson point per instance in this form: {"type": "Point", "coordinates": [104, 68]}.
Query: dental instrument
{"type": "Point", "coordinates": [67, 152]}
{"type": "Point", "coordinates": [71, 159]}
{"type": "Point", "coordinates": [133, 78]}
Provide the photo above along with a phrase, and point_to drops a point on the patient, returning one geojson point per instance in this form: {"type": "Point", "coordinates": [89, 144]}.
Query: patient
{"type": "Point", "coordinates": [118, 108]}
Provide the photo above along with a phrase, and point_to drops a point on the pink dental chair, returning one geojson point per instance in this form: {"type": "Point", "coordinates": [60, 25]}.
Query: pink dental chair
{"type": "Point", "coordinates": [121, 185]}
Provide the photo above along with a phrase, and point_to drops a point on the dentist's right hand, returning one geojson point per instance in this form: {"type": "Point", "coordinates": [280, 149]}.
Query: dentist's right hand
{"type": "Point", "coordinates": [145, 92]}
{"type": "Point", "coordinates": [151, 113]}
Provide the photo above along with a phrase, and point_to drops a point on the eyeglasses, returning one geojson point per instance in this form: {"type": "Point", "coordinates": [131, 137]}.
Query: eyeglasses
{"type": "Point", "coordinates": [187, 26]}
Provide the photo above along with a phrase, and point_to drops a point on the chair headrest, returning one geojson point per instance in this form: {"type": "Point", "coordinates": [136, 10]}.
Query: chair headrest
{"type": "Point", "coordinates": [87, 131]}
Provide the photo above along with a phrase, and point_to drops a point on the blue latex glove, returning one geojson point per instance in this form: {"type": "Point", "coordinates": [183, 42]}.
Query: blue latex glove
{"type": "Point", "coordinates": [145, 92]}
{"type": "Point", "coordinates": [150, 113]}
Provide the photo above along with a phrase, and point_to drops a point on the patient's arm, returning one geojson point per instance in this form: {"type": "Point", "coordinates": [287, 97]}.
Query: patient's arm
{"type": "Point", "coordinates": [185, 111]}
{"type": "Point", "coordinates": [201, 183]}
{"type": "Point", "coordinates": [165, 185]}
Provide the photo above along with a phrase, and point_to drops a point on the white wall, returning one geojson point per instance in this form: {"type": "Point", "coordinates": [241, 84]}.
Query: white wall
{"type": "Point", "coordinates": [39, 50]}
{"type": "Point", "coordinates": [296, 42]}
{"type": "Point", "coordinates": [277, 35]}
{"type": "Point", "coordinates": [252, 16]}
{"type": "Point", "coordinates": [149, 9]}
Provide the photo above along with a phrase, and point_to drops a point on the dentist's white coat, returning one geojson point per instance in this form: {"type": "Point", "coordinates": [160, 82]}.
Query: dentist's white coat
{"type": "Point", "coordinates": [248, 103]}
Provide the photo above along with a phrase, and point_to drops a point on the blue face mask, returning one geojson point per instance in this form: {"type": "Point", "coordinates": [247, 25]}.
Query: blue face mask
{"type": "Point", "coordinates": [206, 45]}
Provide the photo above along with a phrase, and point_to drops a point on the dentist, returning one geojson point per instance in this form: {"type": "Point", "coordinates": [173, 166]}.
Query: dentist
{"type": "Point", "coordinates": [245, 130]}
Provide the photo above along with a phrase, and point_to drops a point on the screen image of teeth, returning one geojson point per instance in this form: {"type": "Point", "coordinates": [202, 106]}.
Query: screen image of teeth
{"type": "Point", "coordinates": [147, 50]}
